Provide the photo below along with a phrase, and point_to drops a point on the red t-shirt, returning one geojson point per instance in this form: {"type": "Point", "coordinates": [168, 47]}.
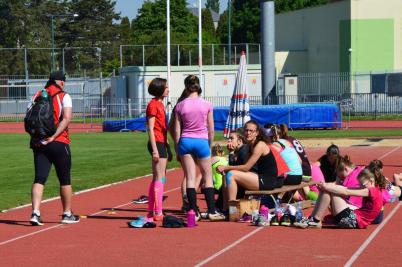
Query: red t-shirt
{"type": "Point", "coordinates": [64, 137]}
{"type": "Point", "coordinates": [156, 109]}
{"type": "Point", "coordinates": [371, 207]}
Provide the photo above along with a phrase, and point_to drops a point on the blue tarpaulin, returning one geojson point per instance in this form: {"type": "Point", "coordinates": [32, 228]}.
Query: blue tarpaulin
{"type": "Point", "coordinates": [296, 116]}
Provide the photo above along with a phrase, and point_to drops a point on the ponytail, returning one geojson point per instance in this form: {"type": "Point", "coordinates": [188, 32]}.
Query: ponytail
{"type": "Point", "coordinates": [375, 167]}
{"type": "Point", "coordinates": [344, 162]}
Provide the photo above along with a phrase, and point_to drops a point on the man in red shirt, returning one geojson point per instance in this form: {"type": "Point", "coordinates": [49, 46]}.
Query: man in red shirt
{"type": "Point", "coordinates": [54, 150]}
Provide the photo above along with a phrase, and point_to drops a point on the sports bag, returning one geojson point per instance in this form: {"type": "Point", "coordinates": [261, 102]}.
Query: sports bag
{"type": "Point", "coordinates": [39, 121]}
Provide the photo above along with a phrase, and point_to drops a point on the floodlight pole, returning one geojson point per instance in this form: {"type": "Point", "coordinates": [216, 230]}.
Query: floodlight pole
{"type": "Point", "coordinates": [200, 44]}
{"type": "Point", "coordinates": [230, 31]}
{"type": "Point", "coordinates": [168, 51]}
{"type": "Point", "coordinates": [268, 76]}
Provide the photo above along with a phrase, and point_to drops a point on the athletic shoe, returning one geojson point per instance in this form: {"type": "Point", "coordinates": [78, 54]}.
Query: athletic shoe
{"type": "Point", "coordinates": [214, 217]}
{"type": "Point", "coordinates": [246, 218]}
{"type": "Point", "coordinates": [274, 221]}
{"type": "Point", "coordinates": [138, 223]}
{"type": "Point", "coordinates": [70, 219]}
{"type": "Point", "coordinates": [285, 220]}
{"type": "Point", "coordinates": [262, 221]}
{"type": "Point", "coordinates": [36, 220]}
{"type": "Point", "coordinates": [158, 217]}
{"type": "Point", "coordinates": [308, 223]}
{"type": "Point", "coordinates": [141, 200]}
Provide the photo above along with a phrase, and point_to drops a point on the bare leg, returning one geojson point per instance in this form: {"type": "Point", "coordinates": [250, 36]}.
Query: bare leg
{"type": "Point", "coordinates": [36, 194]}
{"type": "Point", "coordinates": [66, 193]}
{"type": "Point", "coordinates": [338, 204]}
{"type": "Point", "coordinates": [159, 169]}
{"type": "Point", "coordinates": [183, 186]}
{"type": "Point", "coordinates": [206, 171]}
{"type": "Point", "coordinates": [248, 180]}
{"type": "Point", "coordinates": [189, 170]}
{"type": "Point", "coordinates": [322, 204]}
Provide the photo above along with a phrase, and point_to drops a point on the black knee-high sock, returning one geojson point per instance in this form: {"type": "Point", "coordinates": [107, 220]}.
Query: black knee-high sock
{"type": "Point", "coordinates": [192, 198]}
{"type": "Point", "coordinates": [209, 197]}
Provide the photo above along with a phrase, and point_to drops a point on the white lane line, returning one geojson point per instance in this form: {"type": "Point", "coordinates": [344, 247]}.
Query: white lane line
{"type": "Point", "coordinates": [371, 237]}
{"type": "Point", "coordinates": [390, 152]}
{"type": "Point", "coordinates": [88, 190]}
{"type": "Point", "coordinates": [202, 263]}
{"type": "Point", "coordinates": [58, 225]}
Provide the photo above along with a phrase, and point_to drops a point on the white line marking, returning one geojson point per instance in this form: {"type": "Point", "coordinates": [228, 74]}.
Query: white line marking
{"type": "Point", "coordinates": [58, 225]}
{"type": "Point", "coordinates": [371, 237]}
{"type": "Point", "coordinates": [390, 152]}
{"type": "Point", "coordinates": [228, 247]}
{"type": "Point", "coordinates": [88, 190]}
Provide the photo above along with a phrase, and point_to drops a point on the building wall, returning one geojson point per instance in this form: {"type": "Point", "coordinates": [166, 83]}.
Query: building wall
{"type": "Point", "coordinates": [218, 80]}
{"type": "Point", "coordinates": [371, 28]}
{"type": "Point", "coordinates": [388, 15]}
{"type": "Point", "coordinates": [315, 30]}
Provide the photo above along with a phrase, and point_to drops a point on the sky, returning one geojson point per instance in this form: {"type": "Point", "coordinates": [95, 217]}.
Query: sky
{"type": "Point", "coordinates": [129, 8]}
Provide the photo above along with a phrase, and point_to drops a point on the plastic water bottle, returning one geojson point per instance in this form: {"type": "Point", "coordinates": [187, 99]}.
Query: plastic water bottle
{"type": "Point", "coordinates": [254, 215]}
{"type": "Point", "coordinates": [264, 211]}
{"type": "Point", "coordinates": [299, 212]}
{"type": "Point", "coordinates": [44, 94]}
{"type": "Point", "coordinates": [190, 218]}
{"type": "Point", "coordinates": [278, 210]}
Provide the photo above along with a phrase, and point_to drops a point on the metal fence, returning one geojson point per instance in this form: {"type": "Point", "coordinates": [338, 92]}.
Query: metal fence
{"type": "Point", "coordinates": [82, 61]}
{"type": "Point", "coordinates": [187, 54]}
{"type": "Point", "coordinates": [90, 109]}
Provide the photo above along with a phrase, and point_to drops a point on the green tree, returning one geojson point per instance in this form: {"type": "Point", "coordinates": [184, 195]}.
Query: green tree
{"type": "Point", "coordinates": [94, 27]}
{"type": "Point", "coordinates": [125, 31]}
{"type": "Point", "coordinates": [150, 28]}
{"type": "Point", "coordinates": [291, 5]}
{"type": "Point", "coordinates": [213, 5]}
{"type": "Point", "coordinates": [222, 30]}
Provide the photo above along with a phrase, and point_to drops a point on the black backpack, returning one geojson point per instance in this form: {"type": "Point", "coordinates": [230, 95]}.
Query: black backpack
{"type": "Point", "coordinates": [38, 121]}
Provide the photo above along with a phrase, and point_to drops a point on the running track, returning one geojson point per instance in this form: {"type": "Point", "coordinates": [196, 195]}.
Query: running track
{"type": "Point", "coordinates": [103, 239]}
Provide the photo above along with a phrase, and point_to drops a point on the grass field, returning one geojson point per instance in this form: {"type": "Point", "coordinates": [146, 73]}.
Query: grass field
{"type": "Point", "coordinates": [103, 158]}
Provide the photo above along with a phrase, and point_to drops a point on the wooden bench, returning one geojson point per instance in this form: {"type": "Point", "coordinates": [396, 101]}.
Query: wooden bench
{"type": "Point", "coordinates": [284, 189]}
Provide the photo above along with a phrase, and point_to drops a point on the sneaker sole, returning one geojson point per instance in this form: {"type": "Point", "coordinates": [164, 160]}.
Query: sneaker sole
{"type": "Point", "coordinates": [140, 202]}
{"type": "Point", "coordinates": [302, 226]}
{"type": "Point", "coordinates": [36, 223]}
{"type": "Point", "coordinates": [285, 224]}
{"type": "Point", "coordinates": [69, 222]}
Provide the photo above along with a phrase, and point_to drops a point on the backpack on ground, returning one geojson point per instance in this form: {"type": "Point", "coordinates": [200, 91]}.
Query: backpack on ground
{"type": "Point", "coordinates": [38, 121]}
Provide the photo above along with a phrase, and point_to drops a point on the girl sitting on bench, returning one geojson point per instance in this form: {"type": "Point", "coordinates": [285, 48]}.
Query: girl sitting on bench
{"type": "Point", "coordinates": [261, 153]}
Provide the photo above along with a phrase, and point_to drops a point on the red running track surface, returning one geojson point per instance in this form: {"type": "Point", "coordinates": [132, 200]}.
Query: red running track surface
{"type": "Point", "coordinates": [104, 239]}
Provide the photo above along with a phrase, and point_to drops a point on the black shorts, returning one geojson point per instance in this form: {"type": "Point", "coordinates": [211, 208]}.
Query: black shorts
{"type": "Point", "coordinates": [269, 183]}
{"type": "Point", "coordinates": [293, 180]}
{"type": "Point", "coordinates": [56, 153]}
{"type": "Point", "coordinates": [346, 219]}
{"type": "Point", "coordinates": [162, 149]}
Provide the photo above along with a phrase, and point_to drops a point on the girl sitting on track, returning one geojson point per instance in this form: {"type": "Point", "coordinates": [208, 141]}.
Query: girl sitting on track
{"type": "Point", "coordinates": [157, 146]}
{"type": "Point", "coordinates": [390, 193]}
{"type": "Point", "coordinates": [328, 163]}
{"type": "Point", "coordinates": [331, 194]}
{"type": "Point", "coordinates": [194, 133]}
{"type": "Point", "coordinates": [262, 154]}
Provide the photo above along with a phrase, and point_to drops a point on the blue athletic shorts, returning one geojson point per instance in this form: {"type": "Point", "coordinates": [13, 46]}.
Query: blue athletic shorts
{"type": "Point", "coordinates": [197, 147]}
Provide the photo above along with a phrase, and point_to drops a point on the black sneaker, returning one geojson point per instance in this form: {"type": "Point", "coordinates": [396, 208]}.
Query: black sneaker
{"type": "Point", "coordinates": [274, 221]}
{"type": "Point", "coordinates": [141, 200]}
{"type": "Point", "coordinates": [285, 220]}
{"type": "Point", "coordinates": [36, 220]}
{"type": "Point", "coordinates": [70, 219]}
